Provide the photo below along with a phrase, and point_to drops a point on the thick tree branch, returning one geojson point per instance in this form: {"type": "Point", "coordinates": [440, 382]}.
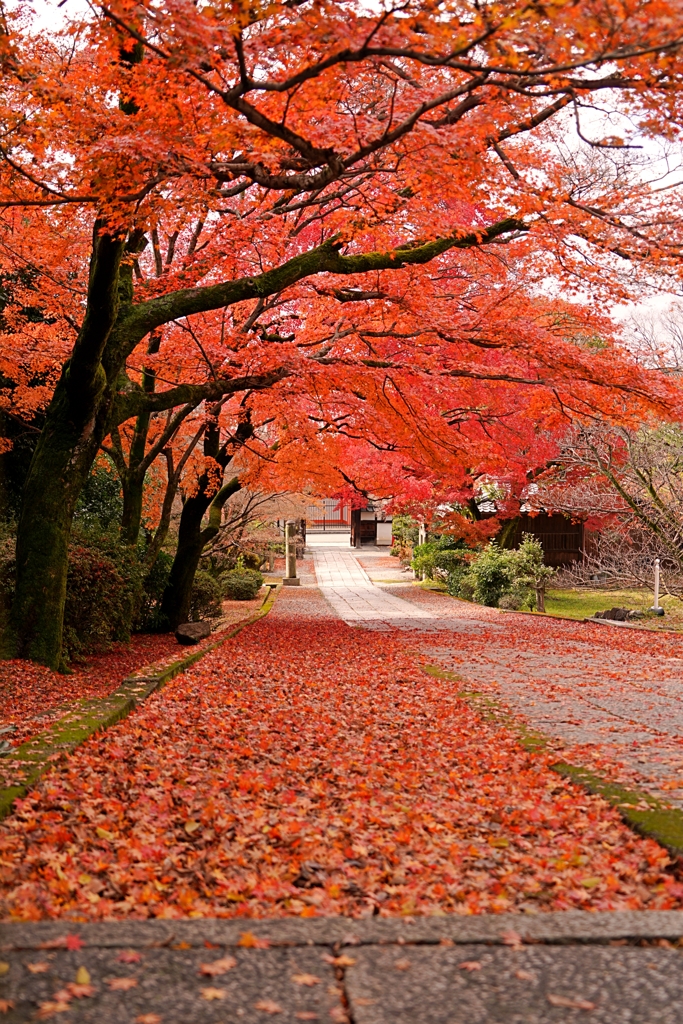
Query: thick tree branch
{"type": "Point", "coordinates": [325, 259]}
{"type": "Point", "coordinates": [132, 404]}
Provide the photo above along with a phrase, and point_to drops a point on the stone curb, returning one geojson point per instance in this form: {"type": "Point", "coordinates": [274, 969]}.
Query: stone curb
{"type": "Point", "coordinates": [560, 927]}
{"type": "Point", "coordinates": [631, 625]}
{"type": "Point", "coordinates": [32, 759]}
{"type": "Point", "coordinates": [641, 811]}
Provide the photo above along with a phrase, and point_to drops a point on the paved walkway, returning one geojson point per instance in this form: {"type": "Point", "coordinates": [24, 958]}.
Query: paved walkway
{"type": "Point", "coordinates": [531, 968]}
{"type": "Point", "coordinates": [617, 694]}
{"type": "Point", "coordinates": [448, 970]}
{"type": "Point", "coordinates": [353, 595]}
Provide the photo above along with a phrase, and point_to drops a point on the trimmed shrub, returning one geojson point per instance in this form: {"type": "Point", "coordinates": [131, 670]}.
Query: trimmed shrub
{"type": "Point", "coordinates": [492, 572]}
{"type": "Point", "coordinates": [102, 592]}
{"type": "Point", "coordinates": [240, 583]}
{"type": "Point", "coordinates": [459, 582]}
{"type": "Point", "coordinates": [437, 558]}
{"type": "Point", "coordinates": [205, 601]}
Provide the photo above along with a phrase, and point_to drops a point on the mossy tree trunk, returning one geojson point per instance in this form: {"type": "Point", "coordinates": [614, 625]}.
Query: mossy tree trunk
{"type": "Point", "coordinates": [73, 431]}
{"type": "Point", "coordinates": [192, 538]}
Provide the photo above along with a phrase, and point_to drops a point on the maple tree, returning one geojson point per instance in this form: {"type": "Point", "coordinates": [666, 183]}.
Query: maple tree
{"type": "Point", "coordinates": [294, 161]}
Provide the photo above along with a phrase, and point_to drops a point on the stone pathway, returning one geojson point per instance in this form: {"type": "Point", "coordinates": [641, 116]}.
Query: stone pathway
{"type": "Point", "coordinates": [615, 691]}
{"type": "Point", "coordinates": [446, 970]}
{"type": "Point", "coordinates": [552, 968]}
{"type": "Point", "coordinates": [353, 595]}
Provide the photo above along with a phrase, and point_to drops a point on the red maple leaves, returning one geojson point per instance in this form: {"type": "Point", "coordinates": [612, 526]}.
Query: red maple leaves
{"type": "Point", "coordinates": [328, 774]}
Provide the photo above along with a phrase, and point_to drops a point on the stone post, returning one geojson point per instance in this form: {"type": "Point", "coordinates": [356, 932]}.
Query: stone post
{"type": "Point", "coordinates": [656, 607]}
{"type": "Point", "coordinates": [290, 578]}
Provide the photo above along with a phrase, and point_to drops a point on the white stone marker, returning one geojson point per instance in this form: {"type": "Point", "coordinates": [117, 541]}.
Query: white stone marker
{"type": "Point", "coordinates": [290, 579]}
{"type": "Point", "coordinates": [656, 607]}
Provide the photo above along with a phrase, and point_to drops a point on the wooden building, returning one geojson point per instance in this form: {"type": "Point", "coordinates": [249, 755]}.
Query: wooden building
{"type": "Point", "coordinates": [370, 525]}
{"type": "Point", "coordinates": [561, 539]}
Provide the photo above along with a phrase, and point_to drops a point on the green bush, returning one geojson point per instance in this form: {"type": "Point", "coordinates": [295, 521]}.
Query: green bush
{"type": "Point", "coordinates": [103, 589]}
{"type": "Point", "coordinates": [493, 572]}
{"type": "Point", "coordinates": [205, 601]}
{"type": "Point", "coordinates": [437, 558]}
{"type": "Point", "coordinates": [509, 579]}
{"type": "Point", "coordinates": [459, 582]}
{"type": "Point", "coordinates": [451, 560]}
{"type": "Point", "coordinates": [512, 602]}
{"type": "Point", "coordinates": [404, 531]}
{"type": "Point", "coordinates": [100, 503]}
{"type": "Point", "coordinates": [240, 583]}
{"type": "Point", "coordinates": [531, 575]}
{"type": "Point", "coordinates": [149, 618]}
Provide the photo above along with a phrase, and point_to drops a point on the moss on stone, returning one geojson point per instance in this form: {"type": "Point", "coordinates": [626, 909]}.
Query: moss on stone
{"type": "Point", "coordinates": [92, 715]}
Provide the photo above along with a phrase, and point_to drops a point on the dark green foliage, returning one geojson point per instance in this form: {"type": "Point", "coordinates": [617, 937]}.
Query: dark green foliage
{"type": "Point", "coordinates": [100, 503]}
{"type": "Point", "coordinates": [492, 573]}
{"type": "Point", "coordinates": [240, 583]}
{"type": "Point", "coordinates": [149, 618]}
{"type": "Point", "coordinates": [458, 581]}
{"type": "Point", "coordinates": [438, 557]}
{"type": "Point", "coordinates": [103, 588]}
{"type": "Point", "coordinates": [205, 601]}
{"type": "Point", "coordinates": [218, 562]}
{"type": "Point", "coordinates": [405, 530]}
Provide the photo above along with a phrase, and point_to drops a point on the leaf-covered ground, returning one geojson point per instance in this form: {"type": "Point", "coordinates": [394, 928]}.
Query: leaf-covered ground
{"type": "Point", "coordinates": [33, 696]}
{"type": "Point", "coordinates": [307, 767]}
{"type": "Point", "coordinates": [609, 698]}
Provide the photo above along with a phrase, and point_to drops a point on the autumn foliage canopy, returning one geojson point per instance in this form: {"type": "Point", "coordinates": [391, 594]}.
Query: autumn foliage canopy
{"type": "Point", "coordinates": [366, 231]}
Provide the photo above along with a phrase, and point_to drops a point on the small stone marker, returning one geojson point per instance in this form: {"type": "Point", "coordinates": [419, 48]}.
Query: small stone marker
{"type": "Point", "coordinates": [192, 632]}
{"type": "Point", "coordinates": [290, 579]}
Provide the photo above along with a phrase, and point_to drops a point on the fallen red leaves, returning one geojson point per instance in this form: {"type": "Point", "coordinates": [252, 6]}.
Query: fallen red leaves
{"type": "Point", "coordinates": [616, 689]}
{"type": "Point", "coordinates": [329, 775]}
{"type": "Point", "coordinates": [32, 696]}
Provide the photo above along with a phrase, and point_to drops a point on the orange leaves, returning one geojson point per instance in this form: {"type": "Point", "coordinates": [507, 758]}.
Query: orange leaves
{"type": "Point", "coordinates": [268, 1006]}
{"type": "Point", "coordinates": [306, 979]}
{"type": "Point", "coordinates": [210, 993]}
{"type": "Point", "coordinates": [250, 941]}
{"type": "Point", "coordinates": [218, 967]}
{"type": "Point", "coordinates": [122, 984]}
{"type": "Point", "coordinates": [570, 1003]}
{"type": "Point", "coordinates": [129, 956]}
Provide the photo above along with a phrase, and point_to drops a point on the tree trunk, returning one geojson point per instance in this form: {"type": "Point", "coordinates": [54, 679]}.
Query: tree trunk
{"type": "Point", "coordinates": [58, 470]}
{"type": "Point", "coordinates": [507, 537]}
{"type": "Point", "coordinates": [73, 431]}
{"type": "Point", "coordinates": [131, 516]}
{"type": "Point", "coordinates": [175, 604]}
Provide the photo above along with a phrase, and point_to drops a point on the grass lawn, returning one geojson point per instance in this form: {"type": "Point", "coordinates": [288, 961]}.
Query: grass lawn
{"type": "Point", "coordinates": [581, 604]}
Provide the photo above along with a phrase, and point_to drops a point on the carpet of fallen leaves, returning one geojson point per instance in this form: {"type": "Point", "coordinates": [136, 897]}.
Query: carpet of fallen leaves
{"type": "Point", "coordinates": [32, 696]}
{"type": "Point", "coordinates": [306, 767]}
